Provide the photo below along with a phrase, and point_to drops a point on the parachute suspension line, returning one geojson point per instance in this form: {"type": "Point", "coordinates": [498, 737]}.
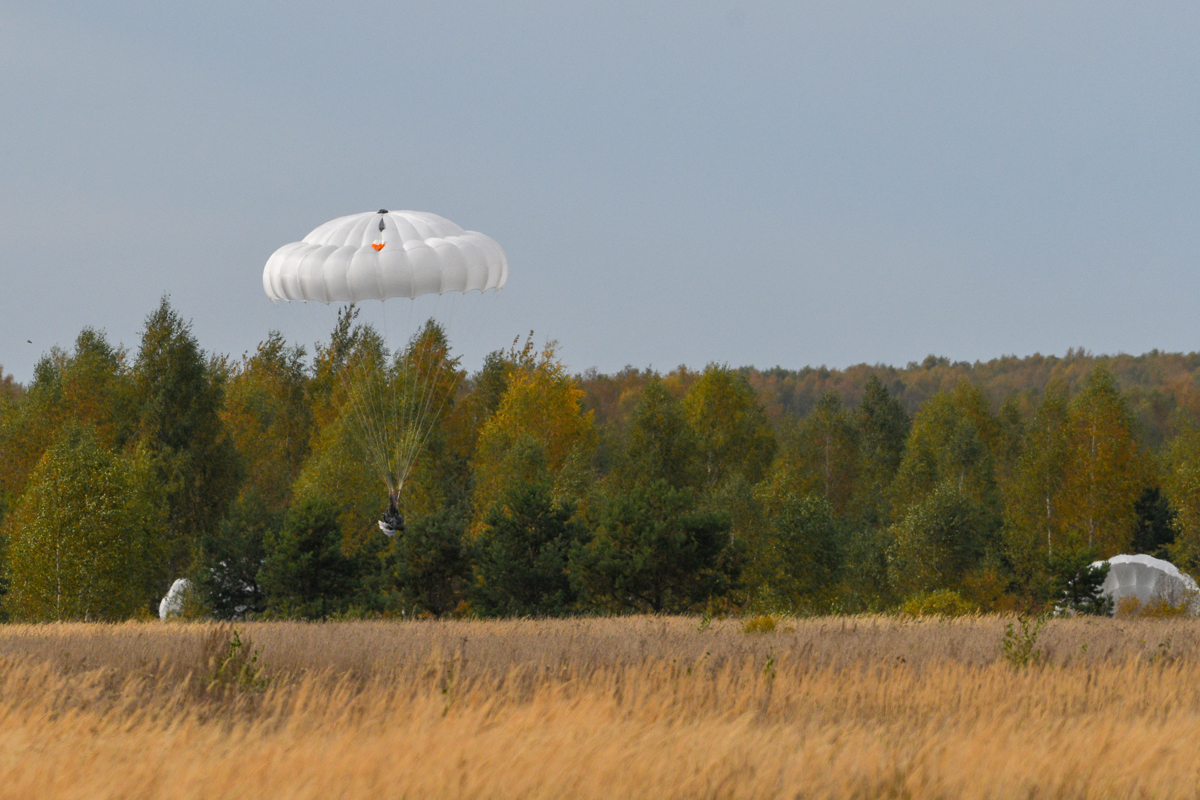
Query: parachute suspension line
{"type": "Point", "coordinates": [395, 406]}
{"type": "Point", "coordinates": [425, 393]}
{"type": "Point", "coordinates": [424, 368]}
{"type": "Point", "coordinates": [359, 383]}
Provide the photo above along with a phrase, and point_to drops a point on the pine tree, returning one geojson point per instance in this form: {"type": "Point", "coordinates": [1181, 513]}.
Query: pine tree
{"type": "Point", "coordinates": [654, 551]}
{"type": "Point", "coordinates": [305, 573]}
{"type": "Point", "coordinates": [521, 555]}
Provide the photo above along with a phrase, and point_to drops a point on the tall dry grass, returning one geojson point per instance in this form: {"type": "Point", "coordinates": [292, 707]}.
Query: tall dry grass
{"type": "Point", "coordinates": [642, 707]}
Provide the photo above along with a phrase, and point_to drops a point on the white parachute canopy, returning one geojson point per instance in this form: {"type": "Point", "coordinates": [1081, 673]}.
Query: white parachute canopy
{"type": "Point", "coordinates": [1150, 580]}
{"type": "Point", "coordinates": [384, 254]}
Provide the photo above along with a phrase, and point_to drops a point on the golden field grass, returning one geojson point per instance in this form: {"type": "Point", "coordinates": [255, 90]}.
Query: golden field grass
{"type": "Point", "coordinates": [645, 707]}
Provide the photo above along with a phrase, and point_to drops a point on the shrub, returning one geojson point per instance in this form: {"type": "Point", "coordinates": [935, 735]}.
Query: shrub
{"type": "Point", "coordinates": [940, 603]}
{"type": "Point", "coordinates": [763, 623]}
{"type": "Point", "coordinates": [1020, 647]}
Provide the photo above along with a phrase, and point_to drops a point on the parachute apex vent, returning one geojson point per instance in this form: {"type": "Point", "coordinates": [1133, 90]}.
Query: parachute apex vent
{"type": "Point", "coordinates": [383, 211]}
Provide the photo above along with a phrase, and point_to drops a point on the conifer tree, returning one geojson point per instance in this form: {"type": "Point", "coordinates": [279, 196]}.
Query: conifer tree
{"type": "Point", "coordinates": [521, 554]}
{"type": "Point", "coordinates": [655, 551]}
{"type": "Point", "coordinates": [305, 573]}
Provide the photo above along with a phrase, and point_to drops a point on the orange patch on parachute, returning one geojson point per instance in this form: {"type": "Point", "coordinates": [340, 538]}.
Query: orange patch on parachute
{"type": "Point", "coordinates": [378, 246]}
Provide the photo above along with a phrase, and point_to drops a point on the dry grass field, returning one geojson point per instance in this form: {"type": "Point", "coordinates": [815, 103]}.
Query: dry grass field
{"type": "Point", "coordinates": [604, 708]}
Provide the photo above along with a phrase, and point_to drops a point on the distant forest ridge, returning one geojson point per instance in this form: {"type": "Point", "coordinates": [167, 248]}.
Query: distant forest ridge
{"type": "Point", "coordinates": [1156, 384]}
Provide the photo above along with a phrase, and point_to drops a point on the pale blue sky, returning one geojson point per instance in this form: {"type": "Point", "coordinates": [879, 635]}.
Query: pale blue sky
{"type": "Point", "coordinates": [752, 183]}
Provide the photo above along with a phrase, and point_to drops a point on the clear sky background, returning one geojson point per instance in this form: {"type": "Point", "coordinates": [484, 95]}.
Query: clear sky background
{"type": "Point", "coordinates": [674, 182]}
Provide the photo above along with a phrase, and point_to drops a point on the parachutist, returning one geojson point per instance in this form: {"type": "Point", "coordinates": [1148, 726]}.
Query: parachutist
{"type": "Point", "coordinates": [393, 521]}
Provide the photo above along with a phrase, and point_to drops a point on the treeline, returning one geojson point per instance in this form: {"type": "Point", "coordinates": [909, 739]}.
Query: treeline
{"type": "Point", "coordinates": [538, 492]}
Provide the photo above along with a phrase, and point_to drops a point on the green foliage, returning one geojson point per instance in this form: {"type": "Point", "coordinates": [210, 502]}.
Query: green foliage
{"type": "Point", "coordinates": [180, 426]}
{"type": "Point", "coordinates": [234, 664]}
{"type": "Point", "coordinates": [952, 443]}
{"type": "Point", "coordinates": [229, 561]}
{"type": "Point", "coordinates": [305, 573]}
{"type": "Point", "coordinates": [1007, 468]}
{"type": "Point", "coordinates": [1106, 471]}
{"type": "Point", "coordinates": [269, 417]}
{"type": "Point", "coordinates": [429, 562]}
{"type": "Point", "coordinates": [1019, 647]}
{"type": "Point", "coordinates": [732, 433]}
{"type": "Point", "coordinates": [654, 551]}
{"type": "Point", "coordinates": [1181, 484]}
{"type": "Point", "coordinates": [82, 541]}
{"type": "Point", "coordinates": [393, 407]}
{"type": "Point", "coordinates": [882, 429]}
{"type": "Point", "coordinates": [539, 411]}
{"type": "Point", "coordinates": [338, 470]}
{"type": "Point", "coordinates": [938, 603]}
{"type": "Point", "coordinates": [521, 555]}
{"type": "Point", "coordinates": [353, 347]}
{"type": "Point", "coordinates": [939, 540]}
{"type": "Point", "coordinates": [1155, 531]}
{"type": "Point", "coordinates": [1035, 518]}
{"type": "Point", "coordinates": [796, 565]}
{"type": "Point", "coordinates": [90, 386]}
{"type": "Point", "coordinates": [659, 446]}
{"type": "Point", "coordinates": [864, 584]}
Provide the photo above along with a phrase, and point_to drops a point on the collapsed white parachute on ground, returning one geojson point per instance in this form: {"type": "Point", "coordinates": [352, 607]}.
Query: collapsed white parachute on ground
{"type": "Point", "coordinates": [172, 604]}
{"type": "Point", "coordinates": [376, 256]}
{"type": "Point", "coordinates": [1150, 580]}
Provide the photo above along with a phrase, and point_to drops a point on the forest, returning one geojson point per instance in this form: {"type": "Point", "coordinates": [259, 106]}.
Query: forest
{"type": "Point", "coordinates": [938, 487]}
